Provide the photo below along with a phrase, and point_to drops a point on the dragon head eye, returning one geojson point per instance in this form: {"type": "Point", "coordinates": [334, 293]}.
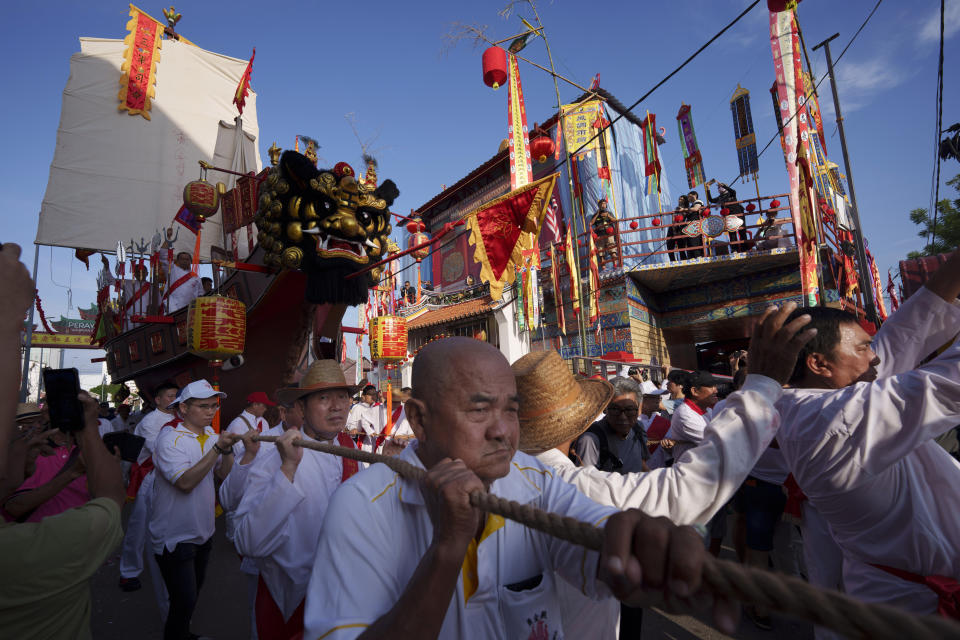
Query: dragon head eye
{"type": "Point", "coordinates": [364, 218]}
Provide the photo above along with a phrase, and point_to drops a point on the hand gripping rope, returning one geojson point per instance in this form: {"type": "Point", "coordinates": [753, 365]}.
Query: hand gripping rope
{"type": "Point", "coordinates": [785, 594]}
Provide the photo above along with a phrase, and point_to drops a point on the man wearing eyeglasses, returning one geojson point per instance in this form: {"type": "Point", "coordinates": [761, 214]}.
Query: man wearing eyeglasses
{"type": "Point", "coordinates": [187, 454]}
{"type": "Point", "coordinates": [617, 441]}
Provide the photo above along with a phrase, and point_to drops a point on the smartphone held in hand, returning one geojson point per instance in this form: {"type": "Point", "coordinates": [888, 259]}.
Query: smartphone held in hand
{"type": "Point", "coordinates": [63, 401]}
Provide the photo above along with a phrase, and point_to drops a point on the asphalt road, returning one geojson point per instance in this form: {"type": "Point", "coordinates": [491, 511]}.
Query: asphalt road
{"type": "Point", "coordinates": [223, 614]}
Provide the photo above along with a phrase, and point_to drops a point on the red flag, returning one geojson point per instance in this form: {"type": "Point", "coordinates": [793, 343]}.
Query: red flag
{"type": "Point", "coordinates": [892, 292]}
{"type": "Point", "coordinates": [596, 82]}
{"type": "Point", "coordinates": [240, 95]}
{"type": "Point", "coordinates": [495, 230]}
{"type": "Point", "coordinates": [603, 173]}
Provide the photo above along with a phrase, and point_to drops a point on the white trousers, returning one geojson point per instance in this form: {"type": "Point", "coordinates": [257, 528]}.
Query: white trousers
{"type": "Point", "coordinates": [134, 543]}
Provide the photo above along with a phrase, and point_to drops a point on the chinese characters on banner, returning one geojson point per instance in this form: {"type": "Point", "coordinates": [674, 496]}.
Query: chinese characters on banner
{"type": "Point", "coordinates": [216, 326]}
{"type": "Point", "coordinates": [388, 338]}
{"type": "Point", "coordinates": [578, 127]}
{"type": "Point", "coordinates": [139, 63]}
{"type": "Point", "coordinates": [521, 165]}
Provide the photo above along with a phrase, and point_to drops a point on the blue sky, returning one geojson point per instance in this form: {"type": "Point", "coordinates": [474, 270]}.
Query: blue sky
{"type": "Point", "coordinates": [430, 119]}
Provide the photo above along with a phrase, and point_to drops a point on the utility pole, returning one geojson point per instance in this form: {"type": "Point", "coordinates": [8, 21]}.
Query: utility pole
{"type": "Point", "coordinates": [866, 282]}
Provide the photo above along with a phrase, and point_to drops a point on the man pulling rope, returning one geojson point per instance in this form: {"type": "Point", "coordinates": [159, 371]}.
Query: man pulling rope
{"type": "Point", "coordinates": [488, 577]}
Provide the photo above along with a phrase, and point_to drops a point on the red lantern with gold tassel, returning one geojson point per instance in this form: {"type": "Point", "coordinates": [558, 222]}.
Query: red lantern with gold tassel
{"type": "Point", "coordinates": [494, 67]}
{"type": "Point", "coordinates": [388, 338]}
{"type": "Point", "coordinates": [201, 198]}
{"type": "Point", "coordinates": [216, 331]}
{"type": "Point", "coordinates": [542, 145]}
{"type": "Point", "coordinates": [417, 239]}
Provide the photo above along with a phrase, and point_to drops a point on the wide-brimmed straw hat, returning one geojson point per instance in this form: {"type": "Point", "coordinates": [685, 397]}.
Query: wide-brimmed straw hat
{"type": "Point", "coordinates": [554, 405]}
{"type": "Point", "coordinates": [321, 376]}
{"type": "Point", "coordinates": [28, 410]}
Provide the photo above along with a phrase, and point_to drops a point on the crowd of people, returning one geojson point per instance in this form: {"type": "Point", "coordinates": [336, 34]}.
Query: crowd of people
{"type": "Point", "coordinates": [821, 422]}
{"type": "Point", "coordinates": [679, 245]}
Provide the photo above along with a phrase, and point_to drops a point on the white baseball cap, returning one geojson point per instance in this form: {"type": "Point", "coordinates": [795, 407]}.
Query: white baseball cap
{"type": "Point", "coordinates": [198, 389]}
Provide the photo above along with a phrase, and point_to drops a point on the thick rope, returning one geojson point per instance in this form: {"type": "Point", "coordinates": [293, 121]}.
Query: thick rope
{"type": "Point", "coordinates": [788, 595]}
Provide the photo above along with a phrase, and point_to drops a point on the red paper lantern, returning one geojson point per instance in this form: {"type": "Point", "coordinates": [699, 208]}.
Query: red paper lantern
{"type": "Point", "coordinates": [634, 224]}
{"type": "Point", "coordinates": [542, 147]}
{"type": "Point", "coordinates": [656, 222]}
{"type": "Point", "coordinates": [216, 327]}
{"type": "Point", "coordinates": [201, 199]}
{"type": "Point", "coordinates": [774, 204]}
{"type": "Point", "coordinates": [751, 207]}
{"type": "Point", "coordinates": [705, 212]}
{"type": "Point", "coordinates": [609, 231]}
{"type": "Point", "coordinates": [494, 67]}
{"type": "Point", "coordinates": [677, 218]}
{"type": "Point", "coordinates": [412, 226]}
{"type": "Point", "coordinates": [724, 211]}
{"type": "Point", "coordinates": [416, 239]}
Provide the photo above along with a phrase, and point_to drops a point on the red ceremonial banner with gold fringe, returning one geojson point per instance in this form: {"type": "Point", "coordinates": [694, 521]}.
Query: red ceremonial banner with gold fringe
{"type": "Point", "coordinates": [593, 308]}
{"type": "Point", "coordinates": [139, 66]}
{"type": "Point", "coordinates": [521, 165]}
{"type": "Point", "coordinates": [785, 45]}
{"type": "Point", "coordinates": [240, 95]}
{"type": "Point", "coordinates": [573, 268]}
{"type": "Point", "coordinates": [500, 231]}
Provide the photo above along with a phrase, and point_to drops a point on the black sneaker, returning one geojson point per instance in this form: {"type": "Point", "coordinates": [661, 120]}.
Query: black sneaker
{"type": "Point", "coordinates": [130, 584]}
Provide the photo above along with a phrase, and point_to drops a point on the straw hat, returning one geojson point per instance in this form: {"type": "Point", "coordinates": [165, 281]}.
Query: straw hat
{"type": "Point", "coordinates": [322, 375]}
{"type": "Point", "coordinates": [27, 410]}
{"type": "Point", "coordinates": [554, 405]}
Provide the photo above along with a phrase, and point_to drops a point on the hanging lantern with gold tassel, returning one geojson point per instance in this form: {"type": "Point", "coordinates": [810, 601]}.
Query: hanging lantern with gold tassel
{"type": "Point", "coordinates": [388, 339]}
{"type": "Point", "coordinates": [216, 331]}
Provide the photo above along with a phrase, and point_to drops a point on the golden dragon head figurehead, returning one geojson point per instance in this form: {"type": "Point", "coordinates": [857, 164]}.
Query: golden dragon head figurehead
{"type": "Point", "coordinates": [327, 223]}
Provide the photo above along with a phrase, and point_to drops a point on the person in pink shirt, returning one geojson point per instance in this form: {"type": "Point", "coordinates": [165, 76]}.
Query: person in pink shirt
{"type": "Point", "coordinates": [58, 483]}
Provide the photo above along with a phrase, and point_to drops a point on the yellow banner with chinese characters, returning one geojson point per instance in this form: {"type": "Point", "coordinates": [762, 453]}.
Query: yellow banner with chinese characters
{"type": "Point", "coordinates": [521, 166]}
{"type": "Point", "coordinates": [61, 341]}
{"type": "Point", "coordinates": [578, 120]}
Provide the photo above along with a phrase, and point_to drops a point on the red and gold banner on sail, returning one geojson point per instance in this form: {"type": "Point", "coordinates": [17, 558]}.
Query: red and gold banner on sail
{"type": "Point", "coordinates": [502, 228]}
{"type": "Point", "coordinates": [139, 66]}
{"type": "Point", "coordinates": [521, 166]}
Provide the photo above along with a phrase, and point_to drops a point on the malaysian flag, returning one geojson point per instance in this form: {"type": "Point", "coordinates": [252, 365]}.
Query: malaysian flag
{"type": "Point", "coordinates": [551, 221]}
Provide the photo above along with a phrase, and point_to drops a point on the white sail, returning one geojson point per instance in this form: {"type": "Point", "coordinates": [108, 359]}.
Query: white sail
{"type": "Point", "coordinates": [115, 176]}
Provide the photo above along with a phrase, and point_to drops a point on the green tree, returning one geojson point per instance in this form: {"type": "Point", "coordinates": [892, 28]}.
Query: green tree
{"type": "Point", "coordinates": [948, 225]}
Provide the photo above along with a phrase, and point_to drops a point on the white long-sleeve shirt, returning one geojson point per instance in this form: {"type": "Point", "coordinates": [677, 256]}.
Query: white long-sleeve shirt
{"type": "Point", "coordinates": [864, 454]}
{"type": "Point", "coordinates": [687, 427]}
{"type": "Point", "coordinates": [149, 428]}
{"type": "Point", "coordinates": [350, 590]}
{"type": "Point", "coordinates": [243, 423]}
{"type": "Point", "coordinates": [689, 492]}
{"type": "Point", "coordinates": [186, 291]}
{"type": "Point", "coordinates": [278, 522]}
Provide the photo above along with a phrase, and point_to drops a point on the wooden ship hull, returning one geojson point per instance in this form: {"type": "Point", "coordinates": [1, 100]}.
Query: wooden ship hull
{"type": "Point", "coordinates": [277, 340]}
